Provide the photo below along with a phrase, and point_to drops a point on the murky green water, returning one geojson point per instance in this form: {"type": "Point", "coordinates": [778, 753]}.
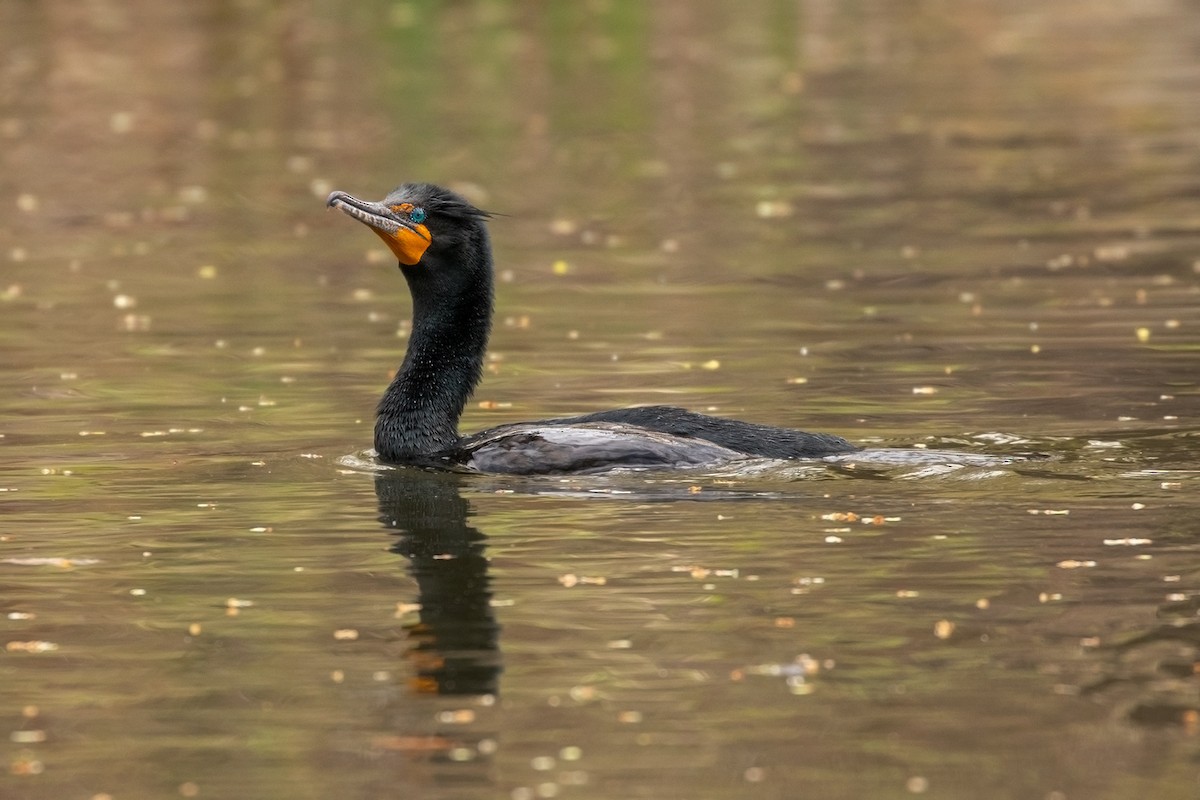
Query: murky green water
{"type": "Point", "coordinates": [955, 228]}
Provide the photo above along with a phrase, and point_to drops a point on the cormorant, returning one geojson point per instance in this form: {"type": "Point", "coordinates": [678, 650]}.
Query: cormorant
{"type": "Point", "coordinates": [442, 244]}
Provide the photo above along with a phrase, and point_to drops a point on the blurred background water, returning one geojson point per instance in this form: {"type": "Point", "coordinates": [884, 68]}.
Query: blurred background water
{"type": "Point", "coordinates": [965, 227]}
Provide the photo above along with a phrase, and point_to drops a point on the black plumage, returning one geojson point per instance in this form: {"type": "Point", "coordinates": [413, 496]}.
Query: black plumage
{"type": "Point", "coordinates": [442, 243]}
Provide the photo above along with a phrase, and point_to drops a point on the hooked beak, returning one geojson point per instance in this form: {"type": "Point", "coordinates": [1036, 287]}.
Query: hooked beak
{"type": "Point", "coordinates": [408, 240]}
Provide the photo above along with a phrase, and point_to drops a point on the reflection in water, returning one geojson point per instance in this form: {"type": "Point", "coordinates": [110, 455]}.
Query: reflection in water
{"type": "Point", "coordinates": [1153, 677]}
{"type": "Point", "coordinates": [456, 641]}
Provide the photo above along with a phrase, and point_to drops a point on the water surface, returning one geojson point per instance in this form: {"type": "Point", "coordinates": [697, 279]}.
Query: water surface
{"type": "Point", "coordinates": [974, 232]}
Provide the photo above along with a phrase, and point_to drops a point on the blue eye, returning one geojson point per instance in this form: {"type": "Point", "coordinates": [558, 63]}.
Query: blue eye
{"type": "Point", "coordinates": [417, 215]}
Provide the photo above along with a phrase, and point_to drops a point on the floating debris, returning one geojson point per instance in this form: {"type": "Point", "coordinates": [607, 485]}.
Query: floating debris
{"type": "Point", "coordinates": [699, 572]}
{"type": "Point", "coordinates": [412, 744]}
{"type": "Point", "coordinates": [403, 609]}
{"type": "Point", "coordinates": [26, 764]}
{"type": "Point", "coordinates": [135, 322]}
{"type": "Point", "coordinates": [571, 580]}
{"type": "Point", "coordinates": [31, 647]}
{"type": "Point", "coordinates": [796, 672]}
{"type": "Point", "coordinates": [917, 784]}
{"type": "Point", "coordinates": [564, 227]}
{"type": "Point", "coordinates": [121, 122]}
{"type": "Point", "coordinates": [51, 561]}
{"type": "Point", "coordinates": [773, 209]}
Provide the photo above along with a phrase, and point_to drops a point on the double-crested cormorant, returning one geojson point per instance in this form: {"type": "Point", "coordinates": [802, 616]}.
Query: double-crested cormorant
{"type": "Point", "coordinates": [442, 244]}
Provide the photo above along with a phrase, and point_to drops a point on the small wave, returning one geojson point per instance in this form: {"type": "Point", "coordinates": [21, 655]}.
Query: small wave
{"type": "Point", "coordinates": [364, 461]}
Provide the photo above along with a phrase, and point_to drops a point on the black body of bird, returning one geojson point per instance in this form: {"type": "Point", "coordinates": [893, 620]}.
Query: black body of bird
{"type": "Point", "coordinates": [442, 244]}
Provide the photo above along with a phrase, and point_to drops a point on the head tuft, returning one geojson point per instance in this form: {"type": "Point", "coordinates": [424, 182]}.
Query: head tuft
{"type": "Point", "coordinates": [436, 200]}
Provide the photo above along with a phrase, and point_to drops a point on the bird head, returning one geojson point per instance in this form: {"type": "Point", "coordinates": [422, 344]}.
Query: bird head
{"type": "Point", "coordinates": [416, 220]}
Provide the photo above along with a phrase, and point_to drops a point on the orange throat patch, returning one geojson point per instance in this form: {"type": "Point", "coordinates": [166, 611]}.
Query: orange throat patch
{"type": "Point", "coordinates": [408, 245]}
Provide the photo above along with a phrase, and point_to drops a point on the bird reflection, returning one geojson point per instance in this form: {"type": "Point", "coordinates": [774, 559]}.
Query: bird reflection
{"type": "Point", "coordinates": [455, 643]}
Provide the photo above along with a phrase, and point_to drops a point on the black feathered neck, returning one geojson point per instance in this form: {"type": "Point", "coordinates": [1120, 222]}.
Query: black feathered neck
{"type": "Point", "coordinates": [452, 291]}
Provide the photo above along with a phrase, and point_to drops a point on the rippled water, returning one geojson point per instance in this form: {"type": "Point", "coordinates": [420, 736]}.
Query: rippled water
{"type": "Point", "coordinates": [968, 241]}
